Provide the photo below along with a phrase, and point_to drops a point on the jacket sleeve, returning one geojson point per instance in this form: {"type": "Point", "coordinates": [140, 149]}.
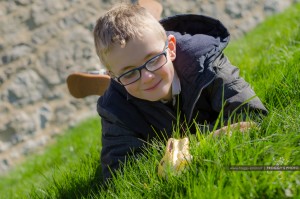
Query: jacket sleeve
{"type": "Point", "coordinates": [117, 144]}
{"type": "Point", "coordinates": [231, 95]}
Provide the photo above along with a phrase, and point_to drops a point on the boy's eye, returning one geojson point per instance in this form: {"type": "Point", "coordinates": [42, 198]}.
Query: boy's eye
{"type": "Point", "coordinates": [153, 61]}
{"type": "Point", "coordinates": [130, 74]}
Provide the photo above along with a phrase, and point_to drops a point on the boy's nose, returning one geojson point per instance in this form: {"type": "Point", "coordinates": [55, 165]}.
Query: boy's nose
{"type": "Point", "coordinates": [146, 75]}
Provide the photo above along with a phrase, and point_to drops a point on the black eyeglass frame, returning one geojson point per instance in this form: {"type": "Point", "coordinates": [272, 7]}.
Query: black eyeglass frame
{"type": "Point", "coordinates": [145, 66]}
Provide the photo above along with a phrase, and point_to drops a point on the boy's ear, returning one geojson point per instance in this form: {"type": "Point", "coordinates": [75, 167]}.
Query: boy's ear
{"type": "Point", "coordinates": [172, 47]}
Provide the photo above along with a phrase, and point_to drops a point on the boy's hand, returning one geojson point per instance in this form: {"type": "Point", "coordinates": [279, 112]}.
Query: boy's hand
{"type": "Point", "coordinates": [241, 126]}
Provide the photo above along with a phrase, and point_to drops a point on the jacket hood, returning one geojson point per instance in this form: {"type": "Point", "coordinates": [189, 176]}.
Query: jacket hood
{"type": "Point", "coordinates": [195, 24]}
{"type": "Point", "coordinates": [199, 41]}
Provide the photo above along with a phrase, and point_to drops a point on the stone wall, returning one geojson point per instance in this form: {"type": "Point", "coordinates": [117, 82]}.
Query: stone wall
{"type": "Point", "coordinates": [43, 41]}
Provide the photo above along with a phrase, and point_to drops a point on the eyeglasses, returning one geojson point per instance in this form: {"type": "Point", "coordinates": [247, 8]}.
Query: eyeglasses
{"type": "Point", "coordinates": [151, 65]}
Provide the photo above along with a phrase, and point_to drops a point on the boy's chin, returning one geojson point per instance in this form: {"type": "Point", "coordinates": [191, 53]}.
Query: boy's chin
{"type": "Point", "coordinates": [157, 97]}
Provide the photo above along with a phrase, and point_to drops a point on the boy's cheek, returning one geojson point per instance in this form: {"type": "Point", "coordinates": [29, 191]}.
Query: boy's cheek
{"type": "Point", "coordinates": [133, 89]}
{"type": "Point", "coordinates": [130, 90]}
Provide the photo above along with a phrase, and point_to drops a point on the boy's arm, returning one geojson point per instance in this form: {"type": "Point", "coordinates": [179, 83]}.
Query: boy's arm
{"type": "Point", "coordinates": [233, 95]}
{"type": "Point", "coordinates": [117, 144]}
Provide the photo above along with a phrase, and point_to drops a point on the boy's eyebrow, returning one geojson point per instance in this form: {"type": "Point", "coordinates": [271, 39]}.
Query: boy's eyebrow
{"type": "Point", "coordinates": [126, 68]}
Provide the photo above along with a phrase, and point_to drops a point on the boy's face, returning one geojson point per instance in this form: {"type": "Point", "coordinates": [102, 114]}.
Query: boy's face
{"type": "Point", "coordinates": [152, 86]}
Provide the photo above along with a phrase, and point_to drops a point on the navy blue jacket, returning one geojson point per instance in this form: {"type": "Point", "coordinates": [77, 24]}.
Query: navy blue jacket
{"type": "Point", "coordinates": [209, 84]}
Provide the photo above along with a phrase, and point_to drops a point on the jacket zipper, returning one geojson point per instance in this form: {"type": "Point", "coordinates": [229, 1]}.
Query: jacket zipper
{"type": "Point", "coordinates": [171, 114]}
{"type": "Point", "coordinates": [194, 104]}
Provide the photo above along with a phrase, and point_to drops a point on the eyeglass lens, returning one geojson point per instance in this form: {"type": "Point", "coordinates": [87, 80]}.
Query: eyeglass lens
{"type": "Point", "coordinates": [152, 65]}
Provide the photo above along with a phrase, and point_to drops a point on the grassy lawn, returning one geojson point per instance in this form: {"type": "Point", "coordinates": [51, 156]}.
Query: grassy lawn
{"type": "Point", "coordinates": [269, 58]}
{"type": "Point", "coordinates": [68, 164]}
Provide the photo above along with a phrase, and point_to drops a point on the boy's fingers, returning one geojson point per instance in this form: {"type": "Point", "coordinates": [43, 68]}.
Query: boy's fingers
{"type": "Point", "coordinates": [244, 126]}
{"type": "Point", "coordinates": [241, 126]}
{"type": "Point", "coordinates": [81, 85]}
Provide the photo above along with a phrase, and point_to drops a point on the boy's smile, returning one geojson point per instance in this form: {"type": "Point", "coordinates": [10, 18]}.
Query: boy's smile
{"type": "Point", "coordinates": [155, 83]}
{"type": "Point", "coordinates": [153, 87]}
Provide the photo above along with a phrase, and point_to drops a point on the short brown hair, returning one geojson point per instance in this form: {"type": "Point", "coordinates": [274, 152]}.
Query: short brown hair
{"type": "Point", "coordinates": [121, 24]}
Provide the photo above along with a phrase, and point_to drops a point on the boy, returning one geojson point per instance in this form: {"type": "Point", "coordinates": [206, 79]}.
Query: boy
{"type": "Point", "coordinates": [161, 73]}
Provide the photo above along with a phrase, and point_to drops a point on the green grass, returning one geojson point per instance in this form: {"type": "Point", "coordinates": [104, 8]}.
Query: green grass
{"type": "Point", "coordinates": [269, 58]}
{"type": "Point", "coordinates": [75, 152]}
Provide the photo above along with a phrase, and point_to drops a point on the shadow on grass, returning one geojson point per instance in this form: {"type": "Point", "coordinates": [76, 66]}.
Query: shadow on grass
{"type": "Point", "coordinates": [83, 189]}
{"type": "Point", "coordinates": [72, 187]}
